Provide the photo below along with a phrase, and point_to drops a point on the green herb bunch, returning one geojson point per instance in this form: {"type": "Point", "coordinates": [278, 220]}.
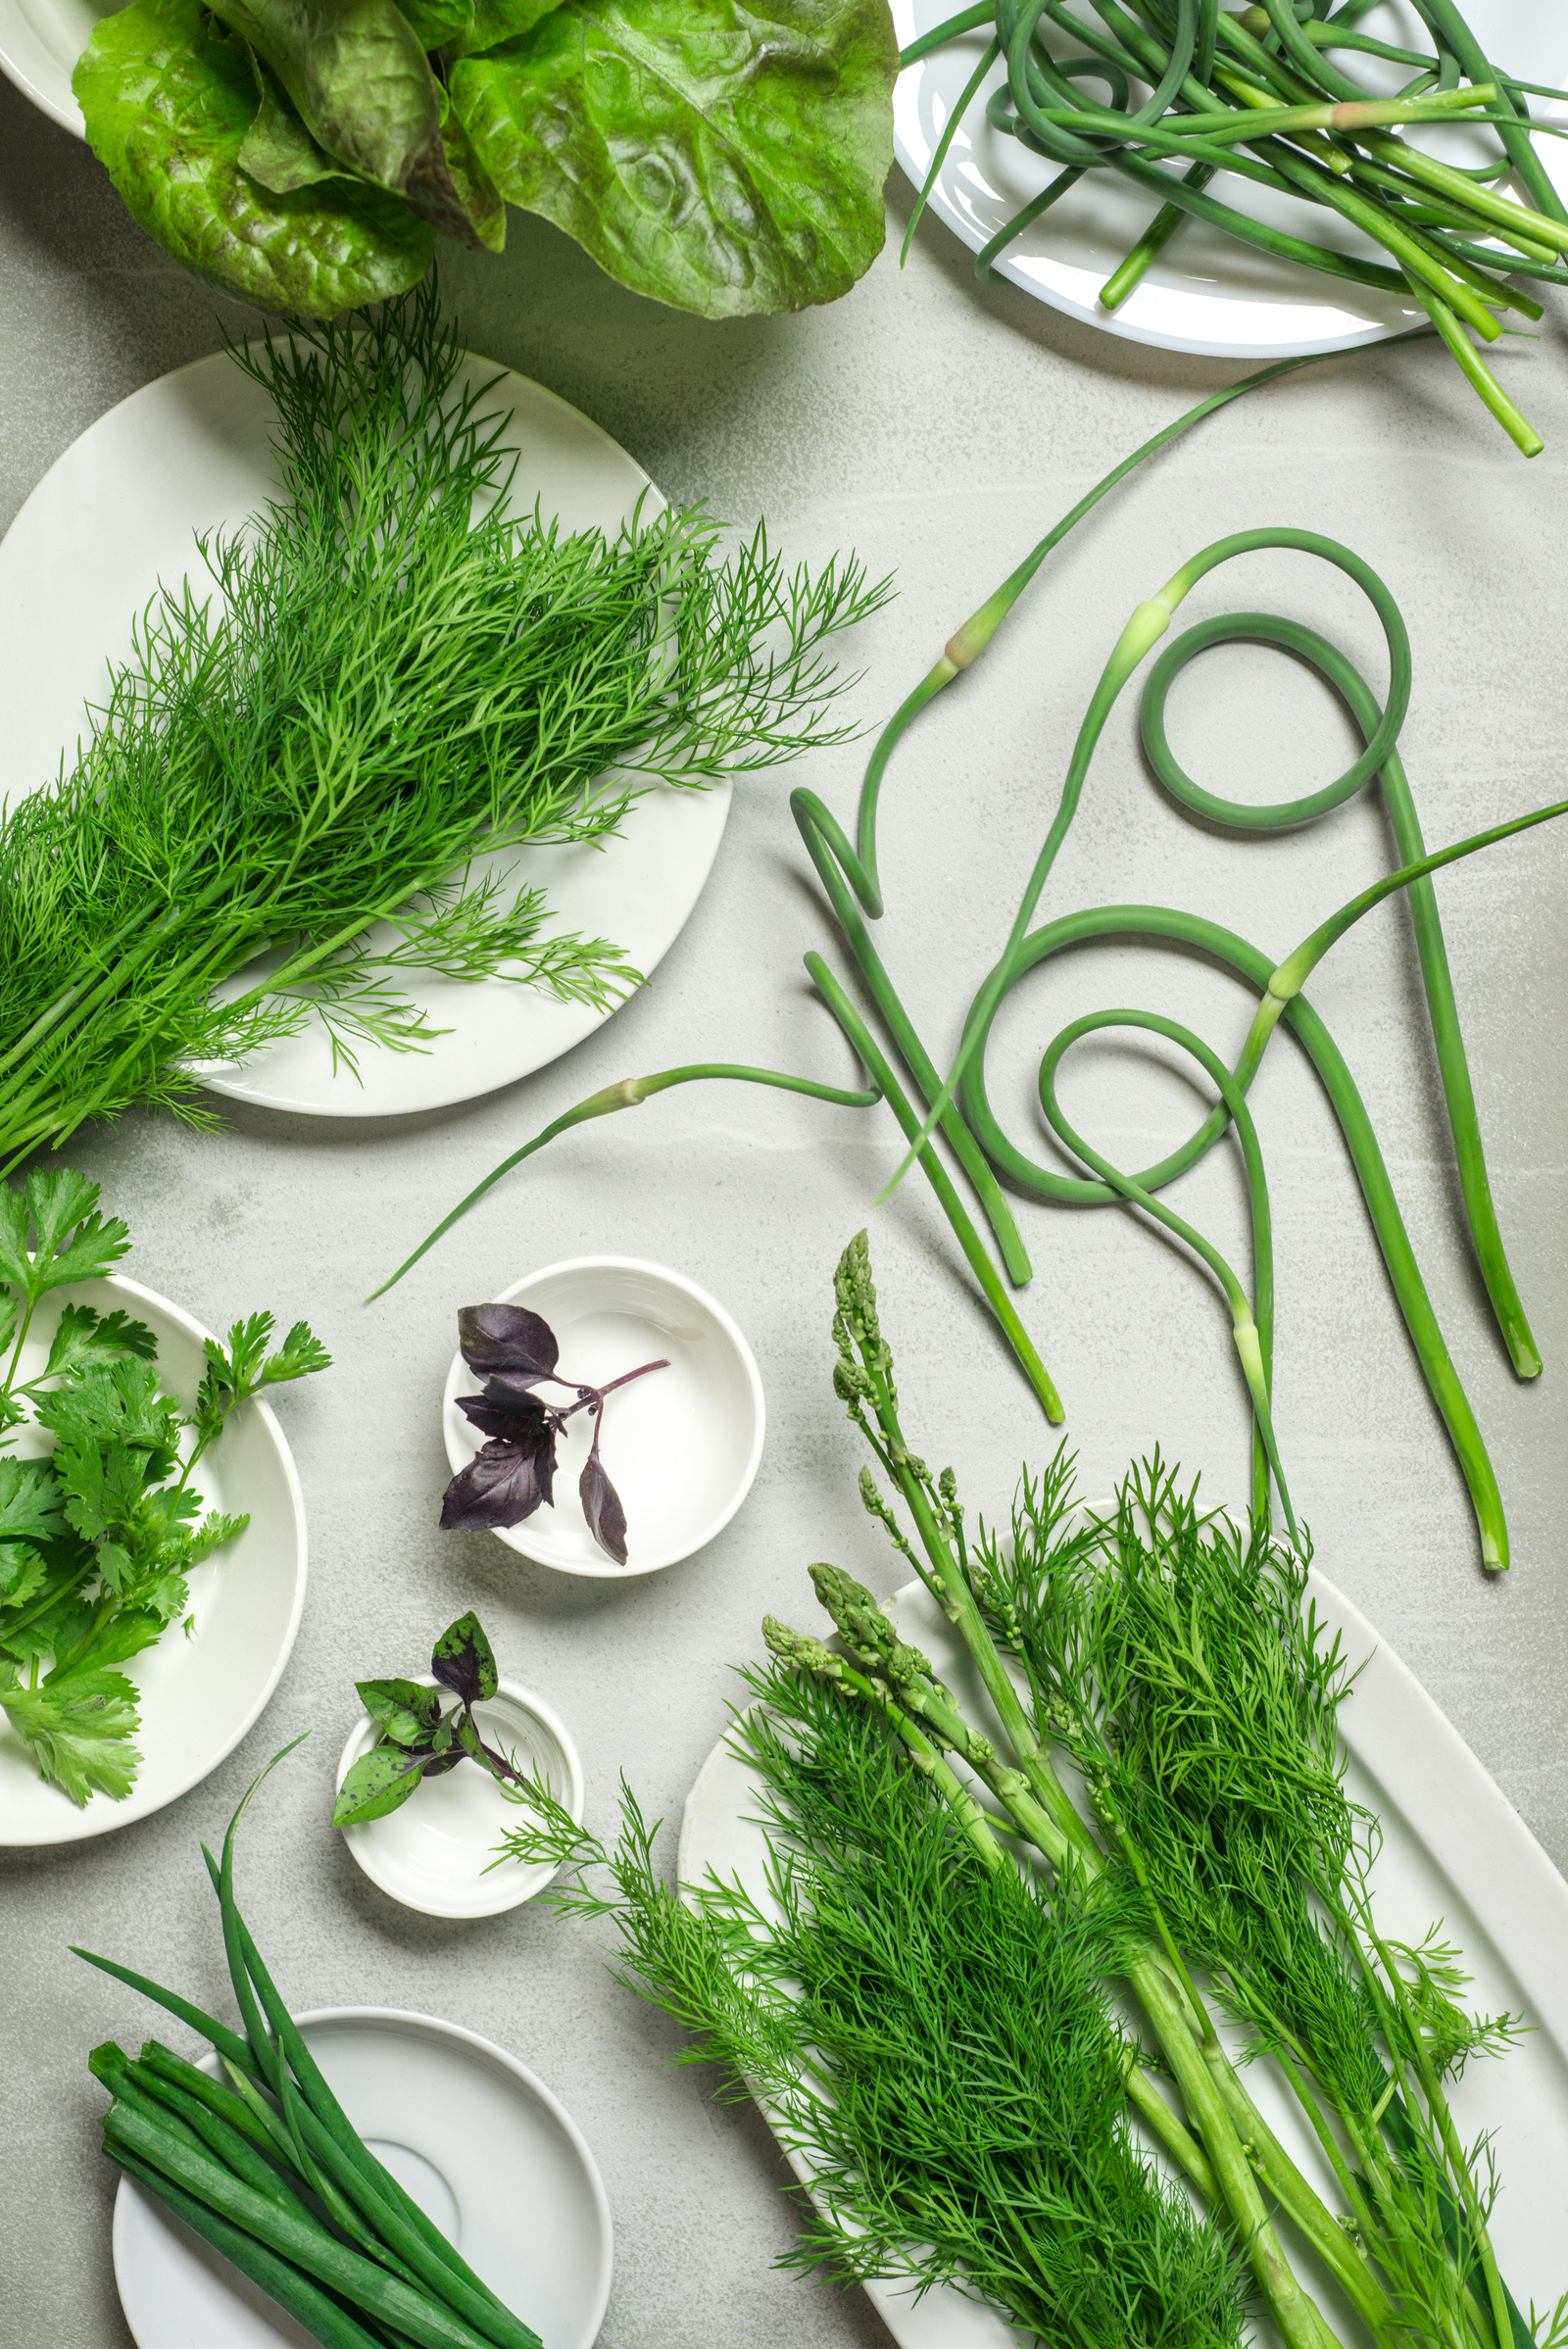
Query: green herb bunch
{"type": "Point", "coordinates": [391, 675]}
{"type": "Point", "coordinates": [99, 1536]}
{"type": "Point", "coordinates": [305, 159]}
{"type": "Point", "coordinates": [918, 1991]}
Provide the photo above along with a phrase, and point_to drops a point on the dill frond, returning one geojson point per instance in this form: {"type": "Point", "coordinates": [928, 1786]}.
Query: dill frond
{"type": "Point", "coordinates": [386, 676]}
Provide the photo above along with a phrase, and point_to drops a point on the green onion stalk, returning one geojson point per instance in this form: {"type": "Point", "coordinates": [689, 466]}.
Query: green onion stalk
{"type": "Point", "coordinates": [1260, 96]}
{"type": "Point", "coordinates": [957, 1109]}
{"type": "Point", "coordinates": [265, 2166]}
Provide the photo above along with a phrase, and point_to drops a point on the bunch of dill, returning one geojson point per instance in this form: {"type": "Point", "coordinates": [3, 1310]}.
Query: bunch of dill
{"type": "Point", "coordinates": [388, 675]}
{"type": "Point", "coordinates": [931, 2033]}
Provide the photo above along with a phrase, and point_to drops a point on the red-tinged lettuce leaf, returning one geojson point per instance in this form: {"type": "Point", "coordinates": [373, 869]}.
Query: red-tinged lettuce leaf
{"type": "Point", "coordinates": [377, 1784]}
{"type": "Point", "coordinates": [360, 82]}
{"type": "Point", "coordinates": [167, 106]}
{"type": "Point", "coordinates": [507, 1338]}
{"type": "Point", "coordinates": [463, 1661]}
{"type": "Point", "coordinates": [277, 149]}
{"type": "Point", "coordinates": [723, 160]}
{"type": "Point", "coordinates": [600, 1505]}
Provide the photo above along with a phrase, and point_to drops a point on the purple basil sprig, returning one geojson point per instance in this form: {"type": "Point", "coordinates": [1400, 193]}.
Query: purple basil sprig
{"type": "Point", "coordinates": [514, 1352]}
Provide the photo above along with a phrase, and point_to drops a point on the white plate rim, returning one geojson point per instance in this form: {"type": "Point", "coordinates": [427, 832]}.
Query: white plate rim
{"type": "Point", "coordinates": [513, 1536]}
{"type": "Point", "coordinates": [1483, 1835]}
{"type": "Point", "coordinates": [83, 1824]}
{"type": "Point", "coordinates": [361, 1739]}
{"type": "Point", "coordinates": [132, 2206]}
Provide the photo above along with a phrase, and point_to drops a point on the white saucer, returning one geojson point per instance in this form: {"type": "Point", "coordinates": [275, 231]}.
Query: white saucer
{"type": "Point", "coordinates": [482, 2146]}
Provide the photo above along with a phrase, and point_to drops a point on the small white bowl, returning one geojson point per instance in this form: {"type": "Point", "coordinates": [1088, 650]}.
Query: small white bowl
{"type": "Point", "coordinates": [681, 1447]}
{"type": "Point", "coordinates": [434, 1852]}
{"type": "Point", "coordinates": [40, 41]}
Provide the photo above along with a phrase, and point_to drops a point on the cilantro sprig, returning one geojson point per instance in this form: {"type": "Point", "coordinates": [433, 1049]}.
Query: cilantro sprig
{"type": "Point", "coordinates": [99, 1537]}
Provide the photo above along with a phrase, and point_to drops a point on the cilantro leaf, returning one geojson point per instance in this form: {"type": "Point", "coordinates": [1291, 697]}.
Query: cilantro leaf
{"type": "Point", "coordinates": [29, 1500]}
{"type": "Point", "coordinates": [88, 1341]}
{"type": "Point", "coordinates": [244, 1367]}
{"type": "Point", "coordinates": [121, 1405]}
{"type": "Point", "coordinates": [72, 1241]}
{"type": "Point", "coordinates": [103, 1485]}
{"type": "Point", "coordinates": [78, 1731]}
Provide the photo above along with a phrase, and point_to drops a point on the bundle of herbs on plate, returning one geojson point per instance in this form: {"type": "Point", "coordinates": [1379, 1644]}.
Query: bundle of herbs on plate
{"type": "Point", "coordinates": [266, 2167]}
{"type": "Point", "coordinates": [99, 1536]}
{"type": "Point", "coordinates": [919, 1985]}
{"type": "Point", "coordinates": [307, 158]}
{"type": "Point", "coordinates": [387, 675]}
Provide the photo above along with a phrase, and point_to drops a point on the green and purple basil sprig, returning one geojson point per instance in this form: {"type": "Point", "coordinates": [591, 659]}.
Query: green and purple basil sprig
{"type": "Point", "coordinates": [420, 1738]}
{"type": "Point", "coordinates": [306, 156]}
{"type": "Point", "coordinates": [514, 1352]}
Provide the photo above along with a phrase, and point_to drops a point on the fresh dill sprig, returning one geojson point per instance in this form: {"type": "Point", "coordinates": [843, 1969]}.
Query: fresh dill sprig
{"type": "Point", "coordinates": [386, 677]}
{"type": "Point", "coordinates": [931, 2033]}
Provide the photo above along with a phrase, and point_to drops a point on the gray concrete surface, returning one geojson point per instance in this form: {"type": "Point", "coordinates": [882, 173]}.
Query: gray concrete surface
{"type": "Point", "coordinates": [937, 427]}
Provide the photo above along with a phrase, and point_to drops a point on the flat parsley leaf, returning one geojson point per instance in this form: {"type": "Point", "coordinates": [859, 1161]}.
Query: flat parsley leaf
{"type": "Point", "coordinates": [71, 1242]}
{"type": "Point", "coordinates": [79, 1731]}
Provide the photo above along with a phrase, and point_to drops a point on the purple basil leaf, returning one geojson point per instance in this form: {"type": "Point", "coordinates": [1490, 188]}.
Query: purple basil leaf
{"type": "Point", "coordinates": [600, 1505]}
{"type": "Point", "coordinates": [507, 1338]}
{"type": "Point", "coordinates": [444, 1762]}
{"type": "Point", "coordinates": [517, 1416]}
{"type": "Point", "coordinates": [503, 1483]}
{"type": "Point", "coordinates": [463, 1660]}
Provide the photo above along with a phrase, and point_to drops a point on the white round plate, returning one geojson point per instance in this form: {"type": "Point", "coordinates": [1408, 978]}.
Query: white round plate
{"type": "Point", "coordinates": [198, 1696]}
{"type": "Point", "coordinates": [1207, 293]}
{"type": "Point", "coordinates": [434, 1852]}
{"type": "Point", "coordinates": [118, 513]}
{"type": "Point", "coordinates": [680, 1447]}
{"type": "Point", "coordinates": [1453, 1847]}
{"type": "Point", "coordinates": [482, 2146]}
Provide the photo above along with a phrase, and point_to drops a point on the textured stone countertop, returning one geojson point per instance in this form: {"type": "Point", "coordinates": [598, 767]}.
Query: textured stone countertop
{"type": "Point", "coordinates": [938, 428]}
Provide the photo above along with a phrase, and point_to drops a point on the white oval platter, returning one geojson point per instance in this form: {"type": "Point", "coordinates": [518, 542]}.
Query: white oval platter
{"type": "Point", "coordinates": [484, 2148]}
{"type": "Point", "coordinates": [1454, 1848]}
{"type": "Point", "coordinates": [198, 1695]}
{"type": "Point", "coordinates": [1207, 293]}
{"type": "Point", "coordinates": [118, 513]}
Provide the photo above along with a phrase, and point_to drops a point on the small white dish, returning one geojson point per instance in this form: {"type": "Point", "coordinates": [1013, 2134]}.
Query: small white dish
{"type": "Point", "coordinates": [198, 1695]}
{"type": "Point", "coordinates": [681, 1447]}
{"type": "Point", "coordinates": [482, 2146]}
{"type": "Point", "coordinates": [434, 1852]}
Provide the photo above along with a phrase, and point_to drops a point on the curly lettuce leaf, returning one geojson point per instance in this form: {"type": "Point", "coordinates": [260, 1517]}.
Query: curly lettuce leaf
{"type": "Point", "coordinates": [167, 106]}
{"type": "Point", "coordinates": [723, 158]}
{"type": "Point", "coordinates": [498, 21]}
